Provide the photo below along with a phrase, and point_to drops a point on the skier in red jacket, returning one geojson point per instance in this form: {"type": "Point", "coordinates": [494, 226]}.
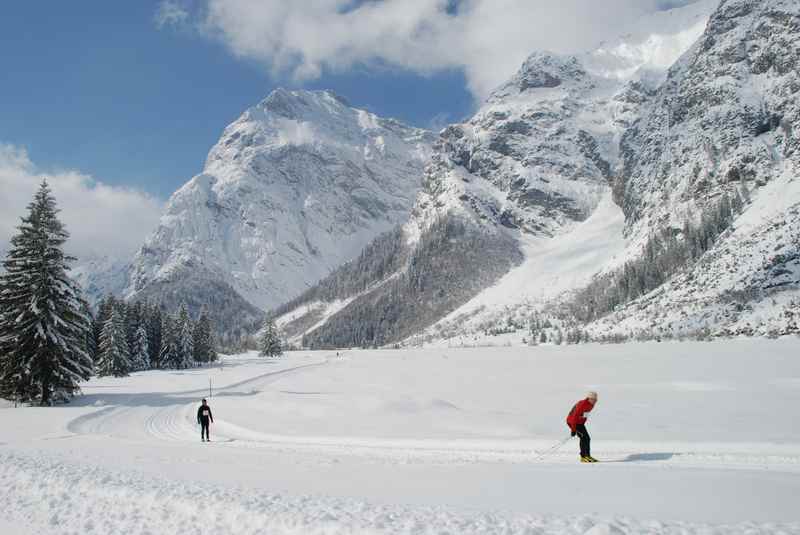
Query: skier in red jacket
{"type": "Point", "coordinates": [576, 420]}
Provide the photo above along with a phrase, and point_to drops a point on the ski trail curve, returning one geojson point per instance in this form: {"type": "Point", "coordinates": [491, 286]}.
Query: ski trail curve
{"type": "Point", "coordinates": [165, 416]}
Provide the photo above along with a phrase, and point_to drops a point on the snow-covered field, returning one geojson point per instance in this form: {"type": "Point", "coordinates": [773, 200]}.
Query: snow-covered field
{"type": "Point", "coordinates": [696, 438]}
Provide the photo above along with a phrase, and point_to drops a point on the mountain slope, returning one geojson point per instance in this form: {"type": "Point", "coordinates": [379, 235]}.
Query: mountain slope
{"type": "Point", "coordinates": [295, 187]}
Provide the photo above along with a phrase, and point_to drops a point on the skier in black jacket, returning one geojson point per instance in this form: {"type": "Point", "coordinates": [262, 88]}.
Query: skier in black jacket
{"type": "Point", "coordinates": [204, 418]}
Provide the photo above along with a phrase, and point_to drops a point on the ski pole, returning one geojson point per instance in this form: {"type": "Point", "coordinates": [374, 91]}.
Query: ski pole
{"type": "Point", "coordinates": [553, 449]}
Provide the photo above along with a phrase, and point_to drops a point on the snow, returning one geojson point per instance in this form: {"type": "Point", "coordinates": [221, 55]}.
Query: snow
{"type": "Point", "coordinates": [771, 201]}
{"type": "Point", "coordinates": [420, 441]}
{"type": "Point", "coordinates": [298, 133]}
{"type": "Point", "coordinates": [324, 311]}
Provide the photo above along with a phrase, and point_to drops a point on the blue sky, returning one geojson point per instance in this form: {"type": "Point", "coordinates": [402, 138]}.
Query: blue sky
{"type": "Point", "coordinates": [94, 85]}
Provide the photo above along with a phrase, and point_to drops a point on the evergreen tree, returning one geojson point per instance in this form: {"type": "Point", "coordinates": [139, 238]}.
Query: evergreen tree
{"type": "Point", "coordinates": [270, 343]}
{"type": "Point", "coordinates": [44, 327]}
{"type": "Point", "coordinates": [185, 339]}
{"type": "Point", "coordinates": [154, 324]}
{"type": "Point", "coordinates": [140, 352]}
{"type": "Point", "coordinates": [104, 309]}
{"type": "Point", "coordinates": [169, 355]}
{"type": "Point", "coordinates": [91, 342]}
{"type": "Point", "coordinates": [115, 357]}
{"type": "Point", "coordinates": [203, 340]}
{"type": "Point", "coordinates": [133, 319]}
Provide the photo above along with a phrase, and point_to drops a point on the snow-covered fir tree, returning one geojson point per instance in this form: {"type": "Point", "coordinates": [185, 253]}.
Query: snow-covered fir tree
{"type": "Point", "coordinates": [133, 319]}
{"type": "Point", "coordinates": [185, 330]}
{"type": "Point", "coordinates": [44, 327]}
{"type": "Point", "coordinates": [270, 343]}
{"type": "Point", "coordinates": [140, 350]}
{"type": "Point", "coordinates": [169, 356]}
{"type": "Point", "coordinates": [159, 339]}
{"type": "Point", "coordinates": [115, 358]}
{"type": "Point", "coordinates": [154, 322]}
{"type": "Point", "coordinates": [89, 338]}
{"type": "Point", "coordinates": [203, 340]}
{"type": "Point", "coordinates": [104, 309]}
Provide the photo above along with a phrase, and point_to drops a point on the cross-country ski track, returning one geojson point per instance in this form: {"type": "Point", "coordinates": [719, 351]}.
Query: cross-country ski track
{"type": "Point", "coordinates": [693, 438]}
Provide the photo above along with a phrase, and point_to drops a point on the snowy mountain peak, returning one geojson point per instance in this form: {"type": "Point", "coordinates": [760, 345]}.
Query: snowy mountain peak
{"type": "Point", "coordinates": [545, 70]}
{"type": "Point", "coordinates": [297, 103]}
{"type": "Point", "coordinates": [318, 121]}
{"type": "Point", "coordinates": [295, 186]}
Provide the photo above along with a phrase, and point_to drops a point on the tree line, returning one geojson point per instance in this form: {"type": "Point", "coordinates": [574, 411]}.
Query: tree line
{"type": "Point", "coordinates": [138, 336]}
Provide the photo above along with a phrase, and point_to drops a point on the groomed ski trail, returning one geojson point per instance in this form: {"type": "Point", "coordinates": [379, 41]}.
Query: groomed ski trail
{"type": "Point", "coordinates": [166, 416]}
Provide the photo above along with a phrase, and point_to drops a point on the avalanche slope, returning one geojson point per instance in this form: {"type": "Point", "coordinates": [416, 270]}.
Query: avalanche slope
{"type": "Point", "coordinates": [694, 437]}
{"type": "Point", "coordinates": [552, 266]}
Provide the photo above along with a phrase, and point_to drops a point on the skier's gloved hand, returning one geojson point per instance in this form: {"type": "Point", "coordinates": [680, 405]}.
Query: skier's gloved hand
{"type": "Point", "coordinates": [573, 433]}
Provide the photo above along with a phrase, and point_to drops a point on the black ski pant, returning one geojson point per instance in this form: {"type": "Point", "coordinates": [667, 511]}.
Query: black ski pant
{"type": "Point", "coordinates": [583, 435]}
{"type": "Point", "coordinates": [204, 429]}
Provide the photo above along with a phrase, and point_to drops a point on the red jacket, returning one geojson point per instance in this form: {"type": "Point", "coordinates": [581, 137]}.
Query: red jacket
{"type": "Point", "coordinates": [577, 416]}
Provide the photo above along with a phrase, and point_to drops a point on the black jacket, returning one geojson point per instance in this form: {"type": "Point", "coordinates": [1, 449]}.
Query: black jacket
{"type": "Point", "coordinates": [204, 413]}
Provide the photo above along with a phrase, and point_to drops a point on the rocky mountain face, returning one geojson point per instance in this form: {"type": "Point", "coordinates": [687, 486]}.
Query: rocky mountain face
{"type": "Point", "coordinates": [534, 158]}
{"type": "Point", "coordinates": [294, 188]}
{"type": "Point", "coordinates": [726, 117]}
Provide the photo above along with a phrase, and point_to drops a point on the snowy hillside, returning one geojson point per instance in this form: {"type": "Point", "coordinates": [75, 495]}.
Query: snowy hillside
{"type": "Point", "coordinates": [409, 442]}
{"type": "Point", "coordinates": [295, 187]}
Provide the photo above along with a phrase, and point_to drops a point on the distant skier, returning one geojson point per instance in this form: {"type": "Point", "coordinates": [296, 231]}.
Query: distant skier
{"type": "Point", "coordinates": [576, 420]}
{"type": "Point", "coordinates": [204, 418]}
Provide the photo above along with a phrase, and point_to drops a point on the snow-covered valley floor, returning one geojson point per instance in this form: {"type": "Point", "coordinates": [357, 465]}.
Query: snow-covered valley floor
{"type": "Point", "coordinates": [696, 438]}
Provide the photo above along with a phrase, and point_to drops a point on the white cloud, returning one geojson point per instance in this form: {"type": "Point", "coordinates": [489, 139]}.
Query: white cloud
{"type": "Point", "coordinates": [171, 13]}
{"type": "Point", "coordinates": [101, 219]}
{"type": "Point", "coordinates": [488, 39]}
{"type": "Point", "coordinates": [291, 132]}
